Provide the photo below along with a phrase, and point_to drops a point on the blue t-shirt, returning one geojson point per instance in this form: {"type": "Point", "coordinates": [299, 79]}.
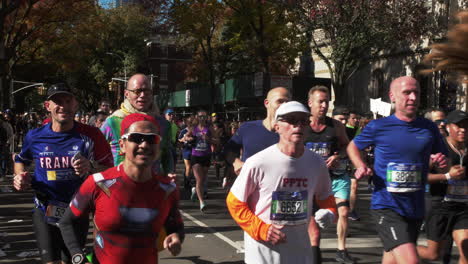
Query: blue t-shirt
{"type": "Point", "coordinates": [251, 137]}
{"type": "Point", "coordinates": [54, 178]}
{"type": "Point", "coordinates": [400, 146]}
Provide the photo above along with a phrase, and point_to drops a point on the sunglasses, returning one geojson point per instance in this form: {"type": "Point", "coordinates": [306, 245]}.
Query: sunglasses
{"type": "Point", "coordinates": [138, 138]}
{"type": "Point", "coordinates": [295, 121]}
{"type": "Point", "coordinates": [139, 91]}
{"type": "Point", "coordinates": [440, 121]}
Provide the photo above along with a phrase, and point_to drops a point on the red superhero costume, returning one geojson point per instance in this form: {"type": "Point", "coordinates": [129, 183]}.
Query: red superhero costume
{"type": "Point", "coordinates": [127, 215]}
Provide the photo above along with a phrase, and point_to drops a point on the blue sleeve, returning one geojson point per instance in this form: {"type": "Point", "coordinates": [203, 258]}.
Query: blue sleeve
{"type": "Point", "coordinates": [25, 156]}
{"type": "Point", "coordinates": [182, 133]}
{"type": "Point", "coordinates": [234, 144]}
{"type": "Point", "coordinates": [366, 138]}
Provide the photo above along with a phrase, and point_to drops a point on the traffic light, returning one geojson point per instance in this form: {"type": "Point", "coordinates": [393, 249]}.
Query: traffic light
{"type": "Point", "coordinates": [42, 90]}
{"type": "Point", "coordinates": [113, 86]}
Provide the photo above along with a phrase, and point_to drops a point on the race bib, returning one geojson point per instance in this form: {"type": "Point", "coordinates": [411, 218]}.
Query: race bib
{"type": "Point", "coordinates": [201, 145]}
{"type": "Point", "coordinates": [289, 207]}
{"type": "Point", "coordinates": [403, 177]}
{"type": "Point", "coordinates": [321, 148]}
{"type": "Point", "coordinates": [457, 191]}
{"type": "Point", "coordinates": [55, 211]}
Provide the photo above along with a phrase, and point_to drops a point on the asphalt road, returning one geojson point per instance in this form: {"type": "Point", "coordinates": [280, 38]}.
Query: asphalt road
{"type": "Point", "coordinates": [212, 237]}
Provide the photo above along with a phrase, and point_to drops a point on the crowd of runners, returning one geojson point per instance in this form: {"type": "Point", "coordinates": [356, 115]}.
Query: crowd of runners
{"type": "Point", "coordinates": [287, 176]}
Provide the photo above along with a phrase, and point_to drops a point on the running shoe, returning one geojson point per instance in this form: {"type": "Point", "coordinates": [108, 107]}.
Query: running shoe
{"type": "Point", "coordinates": [342, 256]}
{"type": "Point", "coordinates": [203, 207]}
{"type": "Point", "coordinates": [224, 185]}
{"type": "Point", "coordinates": [193, 197]}
{"type": "Point", "coordinates": [353, 216]}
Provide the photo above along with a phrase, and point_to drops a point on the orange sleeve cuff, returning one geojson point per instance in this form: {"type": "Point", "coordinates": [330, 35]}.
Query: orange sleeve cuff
{"type": "Point", "coordinates": [328, 203]}
{"type": "Point", "coordinates": [246, 219]}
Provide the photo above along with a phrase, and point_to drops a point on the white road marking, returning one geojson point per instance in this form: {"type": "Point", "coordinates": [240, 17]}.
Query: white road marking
{"type": "Point", "coordinates": [238, 247]}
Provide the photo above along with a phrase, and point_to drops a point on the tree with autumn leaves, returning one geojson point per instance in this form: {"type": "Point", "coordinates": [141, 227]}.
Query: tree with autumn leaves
{"type": "Point", "coordinates": [75, 43]}
{"type": "Point", "coordinates": [346, 34]}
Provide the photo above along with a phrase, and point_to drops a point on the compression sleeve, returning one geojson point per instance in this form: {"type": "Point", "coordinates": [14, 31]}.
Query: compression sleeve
{"type": "Point", "coordinates": [174, 222]}
{"type": "Point", "coordinates": [329, 203]}
{"type": "Point", "coordinates": [68, 221]}
{"type": "Point", "coordinates": [246, 219]}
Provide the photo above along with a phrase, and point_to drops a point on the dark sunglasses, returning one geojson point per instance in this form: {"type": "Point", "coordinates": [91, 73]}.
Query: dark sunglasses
{"type": "Point", "coordinates": [202, 116]}
{"type": "Point", "coordinates": [440, 121]}
{"type": "Point", "coordinates": [138, 138]}
{"type": "Point", "coordinates": [295, 121]}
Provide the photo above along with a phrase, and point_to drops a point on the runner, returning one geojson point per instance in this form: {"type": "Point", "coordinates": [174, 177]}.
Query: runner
{"type": "Point", "coordinates": [327, 137]}
{"type": "Point", "coordinates": [254, 136]}
{"type": "Point", "coordinates": [187, 142]}
{"type": "Point", "coordinates": [275, 211]}
{"type": "Point", "coordinates": [352, 129]}
{"type": "Point", "coordinates": [201, 156]}
{"type": "Point", "coordinates": [64, 152]}
{"type": "Point", "coordinates": [139, 99]}
{"type": "Point", "coordinates": [449, 194]}
{"type": "Point", "coordinates": [130, 203]}
{"type": "Point", "coordinates": [403, 147]}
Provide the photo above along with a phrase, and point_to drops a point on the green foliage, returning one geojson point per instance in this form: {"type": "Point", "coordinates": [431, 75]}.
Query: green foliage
{"type": "Point", "coordinates": [77, 49]}
{"type": "Point", "coordinates": [358, 30]}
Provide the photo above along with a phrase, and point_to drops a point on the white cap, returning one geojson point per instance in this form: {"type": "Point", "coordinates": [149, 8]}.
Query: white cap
{"type": "Point", "coordinates": [290, 107]}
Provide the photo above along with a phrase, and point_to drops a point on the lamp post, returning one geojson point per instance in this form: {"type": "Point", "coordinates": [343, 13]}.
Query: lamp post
{"type": "Point", "coordinates": [123, 62]}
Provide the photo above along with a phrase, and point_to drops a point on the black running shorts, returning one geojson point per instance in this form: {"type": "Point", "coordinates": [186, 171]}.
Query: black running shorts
{"type": "Point", "coordinates": [394, 229]}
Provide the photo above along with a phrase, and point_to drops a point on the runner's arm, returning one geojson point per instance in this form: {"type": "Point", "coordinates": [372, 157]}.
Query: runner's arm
{"type": "Point", "coordinates": [246, 219]}
{"type": "Point", "coordinates": [68, 221]}
{"type": "Point", "coordinates": [354, 155]}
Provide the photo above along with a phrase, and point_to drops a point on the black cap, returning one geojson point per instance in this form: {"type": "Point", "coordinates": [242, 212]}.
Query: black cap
{"type": "Point", "coordinates": [456, 116]}
{"type": "Point", "coordinates": [340, 110]}
{"type": "Point", "coordinates": [58, 88]}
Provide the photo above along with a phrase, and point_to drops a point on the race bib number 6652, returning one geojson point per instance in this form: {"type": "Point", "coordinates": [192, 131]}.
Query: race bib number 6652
{"type": "Point", "coordinates": [289, 207]}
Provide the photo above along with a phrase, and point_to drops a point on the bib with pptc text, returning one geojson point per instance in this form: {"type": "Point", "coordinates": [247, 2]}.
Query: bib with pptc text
{"type": "Point", "coordinates": [404, 177]}
{"type": "Point", "coordinates": [457, 191]}
{"type": "Point", "coordinates": [289, 207]}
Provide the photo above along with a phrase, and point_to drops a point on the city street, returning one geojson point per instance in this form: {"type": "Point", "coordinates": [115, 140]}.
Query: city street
{"type": "Point", "coordinates": [210, 238]}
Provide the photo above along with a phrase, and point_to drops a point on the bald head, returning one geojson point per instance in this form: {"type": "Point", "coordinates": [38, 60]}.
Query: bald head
{"type": "Point", "coordinates": [404, 92]}
{"type": "Point", "coordinates": [275, 98]}
{"type": "Point", "coordinates": [403, 81]}
{"type": "Point", "coordinates": [137, 79]}
{"type": "Point", "coordinates": [278, 90]}
{"type": "Point", "coordinates": [139, 92]}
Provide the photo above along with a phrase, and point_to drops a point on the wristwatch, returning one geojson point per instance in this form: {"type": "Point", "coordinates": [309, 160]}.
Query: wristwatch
{"type": "Point", "coordinates": [78, 258]}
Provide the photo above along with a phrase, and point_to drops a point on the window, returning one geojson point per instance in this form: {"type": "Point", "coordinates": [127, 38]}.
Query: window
{"type": "Point", "coordinates": [163, 72]}
{"type": "Point", "coordinates": [164, 51]}
{"type": "Point", "coordinates": [376, 87]}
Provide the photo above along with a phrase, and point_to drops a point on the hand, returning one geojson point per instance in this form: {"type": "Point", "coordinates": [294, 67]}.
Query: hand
{"type": "Point", "coordinates": [332, 161]}
{"type": "Point", "coordinates": [362, 171]}
{"type": "Point", "coordinates": [173, 244]}
{"type": "Point", "coordinates": [324, 218]}
{"type": "Point", "coordinates": [22, 181]}
{"type": "Point", "coordinates": [439, 160]}
{"type": "Point", "coordinates": [237, 166]}
{"type": "Point", "coordinates": [457, 172]}
{"type": "Point", "coordinates": [172, 176]}
{"type": "Point", "coordinates": [82, 166]}
{"type": "Point", "coordinates": [275, 236]}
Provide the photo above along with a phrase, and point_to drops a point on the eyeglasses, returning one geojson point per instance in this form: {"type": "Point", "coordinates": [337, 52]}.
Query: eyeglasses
{"type": "Point", "coordinates": [202, 116]}
{"type": "Point", "coordinates": [138, 138]}
{"type": "Point", "coordinates": [438, 122]}
{"type": "Point", "coordinates": [139, 91]}
{"type": "Point", "coordinates": [295, 121]}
